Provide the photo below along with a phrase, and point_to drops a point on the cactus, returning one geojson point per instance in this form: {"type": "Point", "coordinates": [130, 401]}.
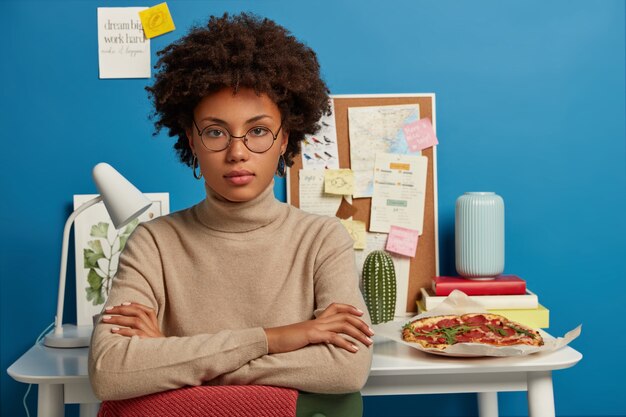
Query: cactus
{"type": "Point", "coordinates": [379, 286]}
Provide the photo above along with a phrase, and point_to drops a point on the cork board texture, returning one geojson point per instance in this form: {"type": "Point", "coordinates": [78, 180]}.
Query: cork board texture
{"type": "Point", "coordinates": [425, 265]}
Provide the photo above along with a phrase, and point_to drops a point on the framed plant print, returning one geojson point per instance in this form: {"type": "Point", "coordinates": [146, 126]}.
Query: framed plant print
{"type": "Point", "coordinates": [98, 246]}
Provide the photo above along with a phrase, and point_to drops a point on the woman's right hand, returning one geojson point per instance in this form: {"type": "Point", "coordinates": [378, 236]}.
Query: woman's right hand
{"type": "Point", "coordinates": [328, 327]}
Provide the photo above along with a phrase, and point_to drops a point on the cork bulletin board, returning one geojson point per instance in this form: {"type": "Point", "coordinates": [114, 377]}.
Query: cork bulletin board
{"type": "Point", "coordinates": [425, 265]}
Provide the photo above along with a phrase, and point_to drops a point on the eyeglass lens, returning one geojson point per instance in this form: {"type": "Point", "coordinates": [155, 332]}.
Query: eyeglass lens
{"type": "Point", "coordinates": [256, 139]}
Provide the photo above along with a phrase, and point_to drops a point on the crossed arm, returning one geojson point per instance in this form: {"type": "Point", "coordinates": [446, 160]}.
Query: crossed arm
{"type": "Point", "coordinates": [134, 319]}
{"type": "Point", "coordinates": [318, 355]}
{"type": "Point", "coordinates": [131, 354]}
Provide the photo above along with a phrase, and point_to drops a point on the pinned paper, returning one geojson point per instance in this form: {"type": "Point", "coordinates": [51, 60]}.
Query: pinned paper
{"type": "Point", "coordinates": [319, 151]}
{"type": "Point", "coordinates": [356, 229]}
{"type": "Point", "coordinates": [399, 192]}
{"type": "Point", "coordinates": [373, 130]}
{"type": "Point", "coordinates": [339, 181]}
{"type": "Point", "coordinates": [345, 210]}
{"type": "Point", "coordinates": [123, 50]}
{"type": "Point", "coordinates": [402, 241]}
{"type": "Point", "coordinates": [420, 135]}
{"type": "Point", "coordinates": [156, 20]}
{"type": "Point", "coordinates": [312, 196]}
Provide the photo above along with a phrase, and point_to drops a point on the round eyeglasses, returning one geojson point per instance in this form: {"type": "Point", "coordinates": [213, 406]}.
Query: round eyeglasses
{"type": "Point", "coordinates": [258, 139]}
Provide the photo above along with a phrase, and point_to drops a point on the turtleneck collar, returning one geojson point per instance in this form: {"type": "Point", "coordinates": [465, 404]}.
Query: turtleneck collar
{"type": "Point", "coordinates": [233, 217]}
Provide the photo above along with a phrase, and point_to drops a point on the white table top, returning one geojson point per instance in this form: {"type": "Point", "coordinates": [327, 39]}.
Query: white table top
{"type": "Point", "coordinates": [44, 365]}
{"type": "Point", "coordinates": [391, 358]}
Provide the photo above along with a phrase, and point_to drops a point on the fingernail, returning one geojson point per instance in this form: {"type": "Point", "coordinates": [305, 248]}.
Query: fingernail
{"type": "Point", "coordinates": [127, 303]}
{"type": "Point", "coordinates": [369, 340]}
{"type": "Point", "coordinates": [115, 329]}
{"type": "Point", "coordinates": [371, 331]}
{"type": "Point", "coordinates": [109, 308]}
{"type": "Point", "coordinates": [106, 318]}
{"type": "Point", "coordinates": [359, 310]}
{"type": "Point", "coordinates": [355, 347]}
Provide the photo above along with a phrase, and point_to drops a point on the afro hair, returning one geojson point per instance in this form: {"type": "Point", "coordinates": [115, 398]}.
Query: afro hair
{"type": "Point", "coordinates": [240, 51]}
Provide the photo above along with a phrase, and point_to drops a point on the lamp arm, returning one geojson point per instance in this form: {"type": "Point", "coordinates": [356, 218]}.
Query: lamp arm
{"type": "Point", "coordinates": [58, 320]}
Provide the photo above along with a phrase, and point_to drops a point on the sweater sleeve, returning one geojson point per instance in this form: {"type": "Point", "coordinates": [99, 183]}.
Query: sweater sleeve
{"type": "Point", "coordinates": [320, 368]}
{"type": "Point", "coordinates": [124, 367]}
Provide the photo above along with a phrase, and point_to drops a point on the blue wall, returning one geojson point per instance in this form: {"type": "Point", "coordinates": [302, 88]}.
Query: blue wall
{"type": "Point", "coordinates": [530, 103]}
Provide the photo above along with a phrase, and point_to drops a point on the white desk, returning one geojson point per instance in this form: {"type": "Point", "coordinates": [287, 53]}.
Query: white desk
{"type": "Point", "coordinates": [396, 370]}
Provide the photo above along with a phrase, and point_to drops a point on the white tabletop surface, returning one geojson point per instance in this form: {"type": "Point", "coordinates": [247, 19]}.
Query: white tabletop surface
{"type": "Point", "coordinates": [41, 365]}
{"type": "Point", "coordinates": [44, 365]}
{"type": "Point", "coordinates": [391, 358]}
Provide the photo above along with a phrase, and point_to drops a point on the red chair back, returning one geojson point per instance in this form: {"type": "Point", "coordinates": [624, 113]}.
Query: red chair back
{"type": "Point", "coordinates": [208, 401]}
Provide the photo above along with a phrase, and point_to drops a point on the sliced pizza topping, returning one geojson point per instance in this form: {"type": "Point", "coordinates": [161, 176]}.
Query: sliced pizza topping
{"type": "Point", "coordinates": [449, 333]}
{"type": "Point", "coordinates": [442, 331]}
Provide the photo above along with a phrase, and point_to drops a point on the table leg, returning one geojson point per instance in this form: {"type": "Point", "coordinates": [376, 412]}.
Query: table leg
{"type": "Point", "coordinates": [540, 394]}
{"type": "Point", "coordinates": [50, 400]}
{"type": "Point", "coordinates": [89, 410]}
{"type": "Point", "coordinates": [488, 404]}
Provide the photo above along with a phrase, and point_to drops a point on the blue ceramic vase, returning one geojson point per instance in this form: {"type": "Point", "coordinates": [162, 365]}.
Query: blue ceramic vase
{"type": "Point", "coordinates": [479, 235]}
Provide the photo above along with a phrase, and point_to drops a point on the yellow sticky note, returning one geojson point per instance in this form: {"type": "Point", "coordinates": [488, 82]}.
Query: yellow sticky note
{"type": "Point", "coordinates": [356, 229]}
{"type": "Point", "coordinates": [339, 181]}
{"type": "Point", "coordinates": [156, 20]}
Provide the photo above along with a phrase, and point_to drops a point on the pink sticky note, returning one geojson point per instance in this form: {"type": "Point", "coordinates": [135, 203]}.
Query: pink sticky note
{"type": "Point", "coordinates": [402, 241]}
{"type": "Point", "coordinates": [420, 135]}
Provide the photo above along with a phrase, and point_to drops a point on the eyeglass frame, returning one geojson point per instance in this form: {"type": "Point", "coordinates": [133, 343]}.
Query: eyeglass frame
{"type": "Point", "coordinates": [243, 138]}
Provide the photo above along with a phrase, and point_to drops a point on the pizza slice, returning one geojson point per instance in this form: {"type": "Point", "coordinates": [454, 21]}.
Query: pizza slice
{"type": "Point", "coordinates": [439, 332]}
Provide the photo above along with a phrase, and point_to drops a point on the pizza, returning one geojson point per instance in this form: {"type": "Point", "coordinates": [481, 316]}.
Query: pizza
{"type": "Point", "coordinates": [439, 332]}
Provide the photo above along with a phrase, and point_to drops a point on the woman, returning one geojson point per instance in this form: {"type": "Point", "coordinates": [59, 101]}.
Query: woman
{"type": "Point", "coordinates": [240, 288]}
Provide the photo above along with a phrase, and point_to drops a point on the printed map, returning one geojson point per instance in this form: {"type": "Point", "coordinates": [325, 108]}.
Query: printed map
{"type": "Point", "coordinates": [373, 130]}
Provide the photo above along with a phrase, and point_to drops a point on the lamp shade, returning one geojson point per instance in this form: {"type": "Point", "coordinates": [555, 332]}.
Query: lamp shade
{"type": "Point", "coordinates": [123, 201]}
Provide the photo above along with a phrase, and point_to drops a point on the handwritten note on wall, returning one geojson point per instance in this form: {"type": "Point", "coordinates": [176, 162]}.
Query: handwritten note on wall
{"type": "Point", "coordinates": [420, 135]}
{"type": "Point", "coordinates": [312, 196]}
{"type": "Point", "coordinates": [402, 241]}
{"type": "Point", "coordinates": [156, 20]}
{"type": "Point", "coordinates": [357, 232]}
{"type": "Point", "coordinates": [339, 181]}
{"type": "Point", "coordinates": [123, 50]}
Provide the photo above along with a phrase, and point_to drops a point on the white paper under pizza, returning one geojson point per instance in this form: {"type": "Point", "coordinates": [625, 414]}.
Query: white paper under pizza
{"type": "Point", "coordinates": [459, 303]}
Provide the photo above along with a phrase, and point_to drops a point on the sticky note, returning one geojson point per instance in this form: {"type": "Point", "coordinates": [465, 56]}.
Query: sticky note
{"type": "Point", "coordinates": [419, 135]}
{"type": "Point", "coordinates": [339, 181]}
{"type": "Point", "coordinates": [156, 20]}
{"type": "Point", "coordinates": [402, 241]}
{"type": "Point", "coordinates": [345, 210]}
{"type": "Point", "coordinates": [356, 229]}
{"type": "Point", "coordinates": [399, 166]}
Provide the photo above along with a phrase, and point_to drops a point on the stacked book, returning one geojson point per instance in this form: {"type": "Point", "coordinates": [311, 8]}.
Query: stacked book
{"type": "Point", "coordinates": [506, 295]}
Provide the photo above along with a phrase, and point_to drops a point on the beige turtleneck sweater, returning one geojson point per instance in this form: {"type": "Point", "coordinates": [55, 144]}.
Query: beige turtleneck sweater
{"type": "Point", "coordinates": [217, 274]}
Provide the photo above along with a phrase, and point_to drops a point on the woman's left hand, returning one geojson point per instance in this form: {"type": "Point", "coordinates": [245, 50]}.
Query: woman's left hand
{"type": "Point", "coordinates": [136, 320]}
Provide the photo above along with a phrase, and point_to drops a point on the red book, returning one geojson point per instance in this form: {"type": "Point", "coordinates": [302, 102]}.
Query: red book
{"type": "Point", "coordinates": [500, 285]}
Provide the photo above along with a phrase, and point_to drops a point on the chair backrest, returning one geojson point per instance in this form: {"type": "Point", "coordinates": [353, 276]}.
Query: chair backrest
{"type": "Point", "coordinates": [208, 401]}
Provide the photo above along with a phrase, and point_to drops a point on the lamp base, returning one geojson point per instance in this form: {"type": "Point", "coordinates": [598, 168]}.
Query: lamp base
{"type": "Point", "coordinates": [72, 337]}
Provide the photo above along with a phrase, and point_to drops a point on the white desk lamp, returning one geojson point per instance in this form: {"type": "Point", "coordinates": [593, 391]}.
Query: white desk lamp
{"type": "Point", "coordinates": [124, 202]}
